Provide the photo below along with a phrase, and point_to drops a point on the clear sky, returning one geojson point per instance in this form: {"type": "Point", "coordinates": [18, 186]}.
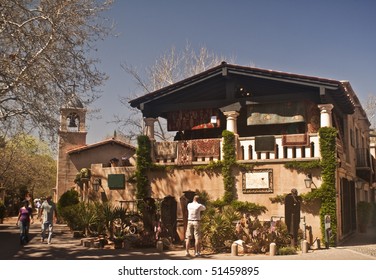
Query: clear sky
{"type": "Point", "coordinates": [333, 39]}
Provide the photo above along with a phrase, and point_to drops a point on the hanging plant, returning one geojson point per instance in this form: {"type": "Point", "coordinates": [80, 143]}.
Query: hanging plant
{"type": "Point", "coordinates": [82, 176]}
{"type": "Point", "coordinates": [85, 173]}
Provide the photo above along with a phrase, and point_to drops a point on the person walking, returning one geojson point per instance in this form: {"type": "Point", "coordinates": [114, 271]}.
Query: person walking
{"type": "Point", "coordinates": [48, 215]}
{"type": "Point", "coordinates": [193, 226]}
{"type": "Point", "coordinates": [37, 205]}
{"type": "Point", "coordinates": [25, 217]}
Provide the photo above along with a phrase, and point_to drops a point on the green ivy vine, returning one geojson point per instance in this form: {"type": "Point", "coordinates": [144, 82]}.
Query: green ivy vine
{"type": "Point", "coordinates": [303, 166]}
{"type": "Point", "coordinates": [225, 167]}
{"type": "Point", "coordinates": [327, 191]}
{"type": "Point", "coordinates": [143, 164]}
{"type": "Point", "coordinates": [229, 160]}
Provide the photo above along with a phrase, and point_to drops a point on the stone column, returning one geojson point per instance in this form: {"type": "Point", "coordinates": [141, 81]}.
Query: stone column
{"type": "Point", "coordinates": [149, 128]}
{"type": "Point", "coordinates": [231, 124]}
{"type": "Point", "coordinates": [326, 115]}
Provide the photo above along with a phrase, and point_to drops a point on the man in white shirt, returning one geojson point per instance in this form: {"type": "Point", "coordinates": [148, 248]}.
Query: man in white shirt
{"type": "Point", "coordinates": [193, 226]}
{"type": "Point", "coordinates": [48, 216]}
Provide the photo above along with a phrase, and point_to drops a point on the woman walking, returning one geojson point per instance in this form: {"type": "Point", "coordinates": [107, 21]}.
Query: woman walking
{"type": "Point", "coordinates": [25, 217]}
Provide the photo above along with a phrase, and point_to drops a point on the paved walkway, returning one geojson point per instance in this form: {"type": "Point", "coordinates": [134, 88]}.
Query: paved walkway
{"type": "Point", "coordinates": [361, 246]}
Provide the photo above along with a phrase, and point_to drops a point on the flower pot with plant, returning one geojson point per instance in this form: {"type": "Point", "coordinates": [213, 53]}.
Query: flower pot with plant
{"type": "Point", "coordinates": [119, 235]}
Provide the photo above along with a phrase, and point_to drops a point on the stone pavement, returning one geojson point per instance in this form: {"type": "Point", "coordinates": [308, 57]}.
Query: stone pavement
{"type": "Point", "coordinates": [360, 246]}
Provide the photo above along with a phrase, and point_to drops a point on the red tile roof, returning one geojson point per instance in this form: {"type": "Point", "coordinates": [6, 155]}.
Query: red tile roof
{"type": "Point", "coordinates": [101, 143]}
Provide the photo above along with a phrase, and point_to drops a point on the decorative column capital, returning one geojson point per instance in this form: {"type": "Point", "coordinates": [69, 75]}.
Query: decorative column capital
{"type": "Point", "coordinates": [325, 114]}
{"type": "Point", "coordinates": [325, 108]}
{"type": "Point", "coordinates": [231, 114]}
{"type": "Point", "coordinates": [149, 129]}
{"type": "Point", "coordinates": [231, 124]}
{"type": "Point", "coordinates": [150, 121]}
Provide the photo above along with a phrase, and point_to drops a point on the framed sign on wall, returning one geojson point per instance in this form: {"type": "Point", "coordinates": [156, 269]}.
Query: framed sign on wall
{"type": "Point", "coordinates": [258, 181]}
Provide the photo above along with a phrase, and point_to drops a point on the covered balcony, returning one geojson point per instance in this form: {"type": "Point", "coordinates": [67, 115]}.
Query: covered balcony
{"type": "Point", "coordinates": [249, 149]}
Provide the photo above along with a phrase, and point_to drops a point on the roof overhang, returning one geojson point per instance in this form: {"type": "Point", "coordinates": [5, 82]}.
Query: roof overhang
{"type": "Point", "coordinates": [338, 91]}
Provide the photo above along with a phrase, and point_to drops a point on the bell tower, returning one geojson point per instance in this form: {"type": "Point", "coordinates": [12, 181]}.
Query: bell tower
{"type": "Point", "coordinates": [72, 134]}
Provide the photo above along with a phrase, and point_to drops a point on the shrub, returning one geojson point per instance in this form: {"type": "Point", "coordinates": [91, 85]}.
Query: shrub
{"type": "Point", "coordinates": [68, 198]}
{"type": "Point", "coordinates": [83, 217]}
{"type": "Point", "coordinates": [218, 227]}
{"type": "Point", "coordinates": [287, 250]}
{"type": "Point", "coordinates": [250, 208]}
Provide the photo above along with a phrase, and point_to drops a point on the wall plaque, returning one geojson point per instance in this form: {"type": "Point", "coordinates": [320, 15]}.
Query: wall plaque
{"type": "Point", "coordinates": [258, 181]}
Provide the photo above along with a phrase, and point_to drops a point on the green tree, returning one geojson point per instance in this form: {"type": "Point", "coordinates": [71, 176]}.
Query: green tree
{"type": "Point", "coordinates": [27, 165]}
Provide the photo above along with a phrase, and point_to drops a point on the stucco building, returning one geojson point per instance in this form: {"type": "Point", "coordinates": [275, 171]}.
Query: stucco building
{"type": "Point", "coordinates": [275, 117]}
{"type": "Point", "coordinates": [74, 153]}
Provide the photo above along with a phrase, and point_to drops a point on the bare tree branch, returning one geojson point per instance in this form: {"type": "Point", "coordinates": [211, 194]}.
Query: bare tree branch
{"type": "Point", "coordinates": [168, 69]}
{"type": "Point", "coordinates": [370, 109]}
{"type": "Point", "coordinates": [46, 46]}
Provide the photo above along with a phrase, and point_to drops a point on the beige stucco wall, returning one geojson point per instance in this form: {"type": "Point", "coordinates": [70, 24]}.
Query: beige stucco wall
{"type": "Point", "coordinates": [174, 182]}
{"type": "Point", "coordinates": [115, 196]}
{"type": "Point", "coordinates": [70, 164]}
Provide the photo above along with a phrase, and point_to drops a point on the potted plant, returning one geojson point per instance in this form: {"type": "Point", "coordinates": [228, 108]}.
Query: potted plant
{"type": "Point", "coordinates": [363, 214]}
{"type": "Point", "coordinates": [119, 235]}
{"type": "Point", "coordinates": [118, 240]}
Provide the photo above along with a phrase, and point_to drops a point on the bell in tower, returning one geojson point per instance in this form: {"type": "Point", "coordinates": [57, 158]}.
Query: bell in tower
{"type": "Point", "coordinates": [73, 122]}
{"type": "Point", "coordinates": [72, 118]}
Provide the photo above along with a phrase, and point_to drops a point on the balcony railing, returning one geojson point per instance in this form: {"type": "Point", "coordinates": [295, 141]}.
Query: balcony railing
{"type": "Point", "coordinates": [295, 146]}
{"type": "Point", "coordinates": [190, 152]}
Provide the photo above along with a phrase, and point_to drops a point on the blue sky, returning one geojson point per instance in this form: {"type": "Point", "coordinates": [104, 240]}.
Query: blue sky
{"type": "Point", "coordinates": [324, 38]}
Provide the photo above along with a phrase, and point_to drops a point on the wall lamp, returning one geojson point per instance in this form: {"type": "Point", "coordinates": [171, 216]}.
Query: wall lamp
{"type": "Point", "coordinates": [308, 181]}
{"type": "Point", "coordinates": [96, 184]}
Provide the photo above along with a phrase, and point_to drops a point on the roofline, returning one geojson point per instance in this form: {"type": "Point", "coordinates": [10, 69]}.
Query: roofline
{"type": "Point", "coordinates": [178, 85]}
{"type": "Point", "coordinates": [224, 69]}
{"type": "Point", "coordinates": [107, 141]}
{"type": "Point", "coordinates": [354, 99]}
